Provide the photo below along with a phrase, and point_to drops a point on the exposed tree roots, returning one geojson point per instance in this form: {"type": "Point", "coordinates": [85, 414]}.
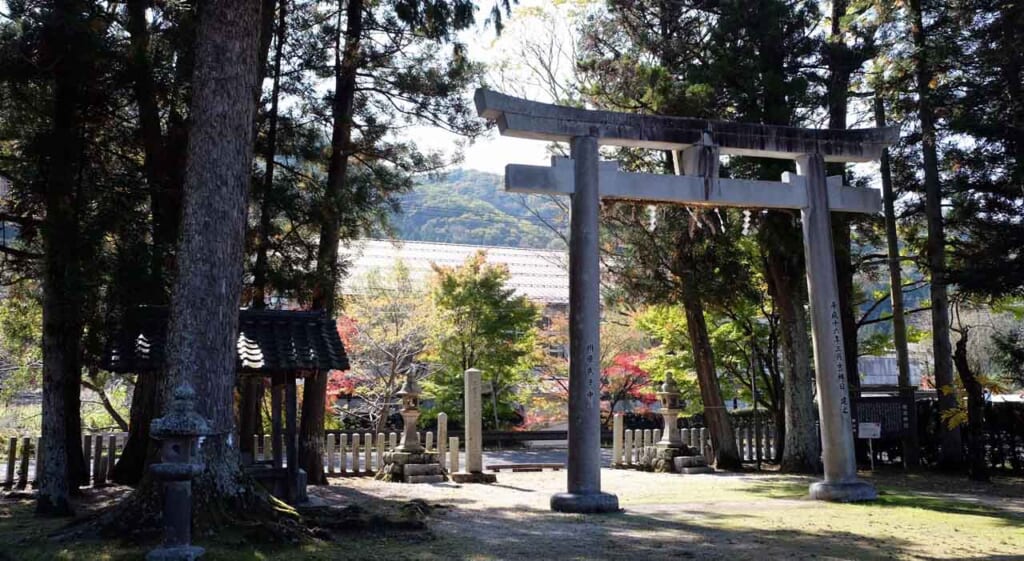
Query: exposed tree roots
{"type": "Point", "coordinates": [253, 515]}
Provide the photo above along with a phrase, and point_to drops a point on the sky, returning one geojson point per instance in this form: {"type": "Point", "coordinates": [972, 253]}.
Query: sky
{"type": "Point", "coordinates": [491, 152]}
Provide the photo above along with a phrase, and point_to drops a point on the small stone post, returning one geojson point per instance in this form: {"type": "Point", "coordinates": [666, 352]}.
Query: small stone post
{"type": "Point", "coordinates": [178, 431]}
{"type": "Point", "coordinates": [442, 435]}
{"type": "Point", "coordinates": [474, 472]}
{"type": "Point", "coordinates": [617, 435]}
{"type": "Point", "coordinates": [453, 454]}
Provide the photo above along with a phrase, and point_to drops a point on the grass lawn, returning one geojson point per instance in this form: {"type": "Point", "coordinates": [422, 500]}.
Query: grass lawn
{"type": "Point", "coordinates": [665, 517]}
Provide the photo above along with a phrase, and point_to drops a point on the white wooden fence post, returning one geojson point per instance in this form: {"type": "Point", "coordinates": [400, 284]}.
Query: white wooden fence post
{"type": "Point", "coordinates": [355, 453]}
{"type": "Point", "coordinates": [87, 453]}
{"type": "Point", "coordinates": [617, 436]}
{"type": "Point", "coordinates": [112, 454]}
{"type": "Point", "coordinates": [343, 459]}
{"type": "Point", "coordinates": [98, 477]}
{"type": "Point", "coordinates": [12, 456]}
{"type": "Point", "coordinates": [331, 439]}
{"type": "Point", "coordinates": [26, 449]}
{"type": "Point", "coordinates": [368, 457]}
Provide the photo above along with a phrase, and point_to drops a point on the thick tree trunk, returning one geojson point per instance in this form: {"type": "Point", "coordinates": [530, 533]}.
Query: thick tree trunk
{"type": "Point", "coordinates": [203, 326]}
{"type": "Point", "coordinates": [163, 165]}
{"type": "Point", "coordinates": [138, 450]}
{"type": "Point", "coordinates": [951, 453]}
{"type": "Point", "coordinates": [801, 446]}
{"type": "Point", "coordinates": [911, 446]}
{"type": "Point", "coordinates": [779, 420]}
{"type": "Point", "coordinates": [723, 439]}
{"type": "Point", "coordinates": [314, 393]}
{"type": "Point", "coordinates": [839, 59]}
{"type": "Point", "coordinates": [62, 322]}
{"type": "Point", "coordinates": [977, 467]}
{"type": "Point", "coordinates": [251, 390]}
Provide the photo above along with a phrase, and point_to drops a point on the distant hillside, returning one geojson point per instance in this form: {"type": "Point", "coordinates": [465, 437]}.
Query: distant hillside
{"type": "Point", "coordinates": [472, 207]}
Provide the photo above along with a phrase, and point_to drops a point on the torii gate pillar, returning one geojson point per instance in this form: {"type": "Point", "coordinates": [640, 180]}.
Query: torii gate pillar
{"type": "Point", "coordinates": [584, 467]}
{"type": "Point", "coordinates": [841, 483]}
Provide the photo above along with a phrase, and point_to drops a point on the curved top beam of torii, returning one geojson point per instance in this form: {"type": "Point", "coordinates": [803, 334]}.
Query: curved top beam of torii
{"type": "Point", "coordinates": [522, 118]}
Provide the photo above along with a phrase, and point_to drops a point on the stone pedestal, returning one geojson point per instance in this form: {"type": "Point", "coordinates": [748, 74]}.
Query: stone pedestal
{"type": "Point", "coordinates": [410, 438]}
{"type": "Point", "coordinates": [691, 464]}
{"type": "Point", "coordinates": [410, 467]}
{"type": "Point", "coordinates": [474, 477]}
{"type": "Point", "coordinates": [854, 491]}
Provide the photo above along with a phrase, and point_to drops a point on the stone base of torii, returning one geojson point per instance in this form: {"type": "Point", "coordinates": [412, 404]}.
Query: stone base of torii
{"type": "Point", "coordinates": [696, 145]}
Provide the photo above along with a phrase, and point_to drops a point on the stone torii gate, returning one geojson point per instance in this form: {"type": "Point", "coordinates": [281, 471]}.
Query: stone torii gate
{"type": "Point", "coordinates": [696, 145]}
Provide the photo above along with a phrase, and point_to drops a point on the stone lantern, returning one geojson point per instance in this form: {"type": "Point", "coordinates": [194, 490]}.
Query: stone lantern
{"type": "Point", "coordinates": [178, 433]}
{"type": "Point", "coordinates": [670, 407]}
{"type": "Point", "coordinates": [410, 462]}
{"type": "Point", "coordinates": [410, 395]}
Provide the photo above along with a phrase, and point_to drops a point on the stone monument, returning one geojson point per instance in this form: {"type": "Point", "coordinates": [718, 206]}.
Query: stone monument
{"type": "Point", "coordinates": [474, 472]}
{"type": "Point", "coordinates": [410, 462]}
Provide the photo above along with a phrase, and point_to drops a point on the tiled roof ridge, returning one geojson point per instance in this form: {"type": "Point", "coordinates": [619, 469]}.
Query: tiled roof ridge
{"type": "Point", "coordinates": [360, 241]}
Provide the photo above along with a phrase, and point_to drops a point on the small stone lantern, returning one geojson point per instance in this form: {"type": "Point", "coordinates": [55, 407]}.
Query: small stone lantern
{"type": "Point", "coordinates": [670, 407]}
{"type": "Point", "coordinates": [178, 433]}
{"type": "Point", "coordinates": [410, 395]}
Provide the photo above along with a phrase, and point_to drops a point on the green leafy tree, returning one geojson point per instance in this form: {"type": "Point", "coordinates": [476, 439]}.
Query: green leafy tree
{"type": "Point", "coordinates": [480, 323]}
{"type": "Point", "coordinates": [388, 319]}
{"type": "Point", "coordinates": [21, 357]}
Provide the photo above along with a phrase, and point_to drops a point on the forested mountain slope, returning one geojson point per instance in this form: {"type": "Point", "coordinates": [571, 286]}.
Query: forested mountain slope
{"type": "Point", "coordinates": [472, 207]}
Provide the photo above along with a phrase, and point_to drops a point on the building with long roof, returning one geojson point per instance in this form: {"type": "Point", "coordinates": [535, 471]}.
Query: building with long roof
{"type": "Point", "coordinates": [541, 275]}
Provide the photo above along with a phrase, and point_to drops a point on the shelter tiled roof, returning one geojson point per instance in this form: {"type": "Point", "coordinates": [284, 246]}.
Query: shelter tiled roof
{"type": "Point", "coordinates": [539, 275]}
{"type": "Point", "coordinates": [268, 341]}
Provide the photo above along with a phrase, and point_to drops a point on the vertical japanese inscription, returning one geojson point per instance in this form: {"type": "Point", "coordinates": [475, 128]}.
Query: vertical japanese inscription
{"type": "Point", "coordinates": [838, 358]}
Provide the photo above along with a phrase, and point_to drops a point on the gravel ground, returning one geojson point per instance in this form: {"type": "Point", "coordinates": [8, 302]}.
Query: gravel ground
{"type": "Point", "coordinates": [666, 516]}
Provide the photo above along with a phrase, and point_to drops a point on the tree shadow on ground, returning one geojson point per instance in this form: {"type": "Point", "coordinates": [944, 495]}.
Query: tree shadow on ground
{"type": "Point", "coordinates": [514, 534]}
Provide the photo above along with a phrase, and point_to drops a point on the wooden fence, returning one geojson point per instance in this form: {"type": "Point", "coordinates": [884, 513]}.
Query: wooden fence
{"type": "Point", "coordinates": [753, 443]}
{"type": "Point", "coordinates": [21, 457]}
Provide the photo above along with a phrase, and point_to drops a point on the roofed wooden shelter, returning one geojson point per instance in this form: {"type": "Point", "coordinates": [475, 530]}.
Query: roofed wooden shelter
{"type": "Point", "coordinates": [282, 345]}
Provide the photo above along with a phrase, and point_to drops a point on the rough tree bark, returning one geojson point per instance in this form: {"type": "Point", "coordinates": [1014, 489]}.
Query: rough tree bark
{"type": "Point", "coordinates": [842, 61]}
{"type": "Point", "coordinates": [249, 413]}
{"type": "Point", "coordinates": [723, 439]}
{"type": "Point", "coordinates": [203, 326]}
{"type": "Point", "coordinates": [977, 468]}
{"type": "Point", "coordinates": [801, 451]}
{"type": "Point", "coordinates": [163, 165]}
{"type": "Point", "coordinates": [62, 322]}
{"type": "Point", "coordinates": [911, 446]}
{"type": "Point", "coordinates": [314, 394]}
{"type": "Point", "coordinates": [951, 452]}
